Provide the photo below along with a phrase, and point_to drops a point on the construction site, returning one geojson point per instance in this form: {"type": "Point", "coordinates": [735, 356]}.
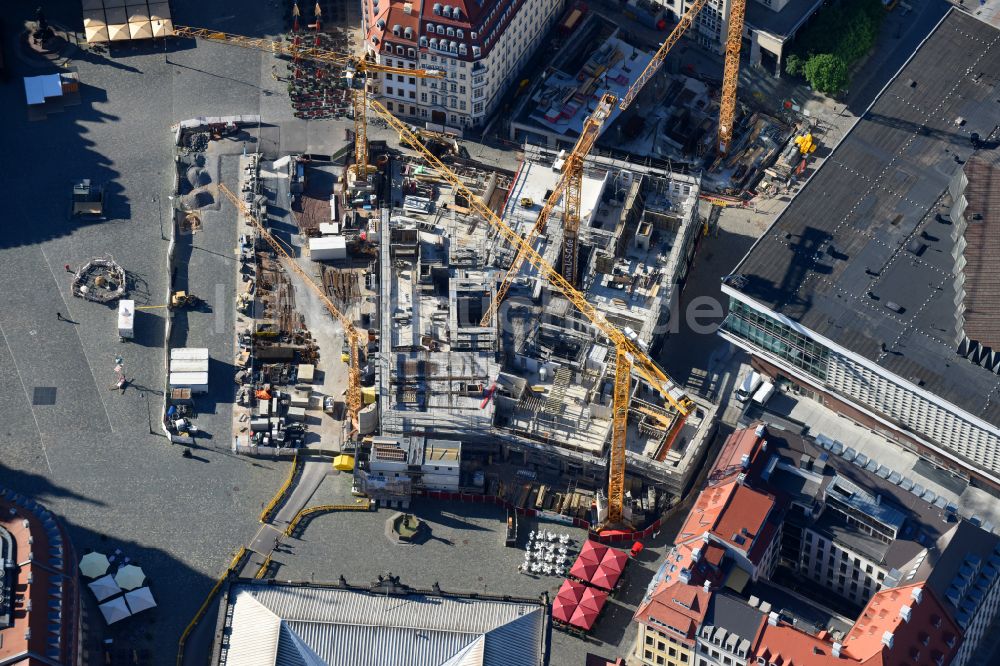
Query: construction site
{"type": "Point", "coordinates": [530, 396]}
{"type": "Point", "coordinates": [675, 123]}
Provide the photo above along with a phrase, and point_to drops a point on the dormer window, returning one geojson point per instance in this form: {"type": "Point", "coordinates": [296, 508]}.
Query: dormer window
{"type": "Point", "coordinates": [451, 31]}
{"type": "Point", "coordinates": [476, 51]}
{"type": "Point", "coordinates": [456, 13]}
{"type": "Point", "coordinates": [400, 50]}
{"type": "Point", "coordinates": [474, 35]}
{"type": "Point", "coordinates": [411, 53]}
{"type": "Point", "coordinates": [454, 47]}
{"type": "Point", "coordinates": [440, 30]}
{"type": "Point", "coordinates": [460, 33]}
{"type": "Point", "coordinates": [462, 50]}
{"type": "Point", "coordinates": [388, 48]}
{"type": "Point", "coordinates": [381, 24]}
{"type": "Point", "coordinates": [423, 41]}
{"type": "Point", "coordinates": [437, 8]}
{"type": "Point", "coordinates": [434, 43]}
{"type": "Point", "coordinates": [446, 11]}
{"type": "Point", "coordinates": [397, 29]}
{"type": "Point", "coordinates": [430, 27]}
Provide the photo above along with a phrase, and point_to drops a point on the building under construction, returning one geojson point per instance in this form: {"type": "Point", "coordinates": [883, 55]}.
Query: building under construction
{"type": "Point", "coordinates": [529, 394]}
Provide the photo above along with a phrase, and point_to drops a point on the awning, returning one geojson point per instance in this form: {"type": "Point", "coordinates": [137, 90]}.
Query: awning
{"type": "Point", "coordinates": [583, 570]}
{"type": "Point", "coordinates": [162, 27]}
{"type": "Point", "coordinates": [114, 610]}
{"type": "Point", "coordinates": [104, 587]}
{"type": "Point", "coordinates": [344, 463]}
{"type": "Point", "coordinates": [38, 88]}
{"type": "Point", "coordinates": [94, 565]}
{"type": "Point", "coordinates": [589, 608]}
{"type": "Point", "coordinates": [567, 600]}
{"type": "Point", "coordinates": [130, 577]}
{"type": "Point", "coordinates": [118, 32]}
{"type": "Point", "coordinates": [140, 600]}
{"type": "Point", "coordinates": [610, 569]}
{"type": "Point", "coordinates": [592, 551]}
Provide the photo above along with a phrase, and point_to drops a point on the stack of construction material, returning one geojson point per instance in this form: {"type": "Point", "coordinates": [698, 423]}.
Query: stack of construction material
{"type": "Point", "coordinates": [121, 20]}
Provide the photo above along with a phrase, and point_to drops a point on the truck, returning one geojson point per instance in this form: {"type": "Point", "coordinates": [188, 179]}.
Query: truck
{"type": "Point", "coordinates": [764, 393]}
{"type": "Point", "coordinates": [748, 386]}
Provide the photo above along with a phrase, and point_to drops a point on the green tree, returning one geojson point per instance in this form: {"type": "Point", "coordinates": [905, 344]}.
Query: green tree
{"type": "Point", "coordinates": [793, 65]}
{"type": "Point", "coordinates": [826, 73]}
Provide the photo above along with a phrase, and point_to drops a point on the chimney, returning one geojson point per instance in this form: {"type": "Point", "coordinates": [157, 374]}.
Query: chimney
{"type": "Point", "coordinates": [745, 460]}
{"type": "Point", "coordinates": [887, 639]}
{"type": "Point", "coordinates": [760, 430]}
{"type": "Point", "coordinates": [685, 576]}
{"type": "Point", "coordinates": [836, 650]}
{"type": "Point", "coordinates": [905, 612]}
{"type": "Point", "coordinates": [772, 618]}
{"type": "Point", "coordinates": [917, 594]}
{"type": "Point", "coordinates": [696, 555]}
{"type": "Point", "coordinates": [708, 586]}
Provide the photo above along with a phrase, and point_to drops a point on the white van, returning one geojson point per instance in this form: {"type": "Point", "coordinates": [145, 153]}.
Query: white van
{"type": "Point", "coordinates": [749, 385]}
{"type": "Point", "coordinates": [764, 393]}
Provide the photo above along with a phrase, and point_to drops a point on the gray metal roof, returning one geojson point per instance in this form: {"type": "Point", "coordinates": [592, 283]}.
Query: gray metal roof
{"type": "Point", "coordinates": [734, 615]}
{"type": "Point", "coordinates": [298, 625]}
{"type": "Point", "coordinates": [840, 253]}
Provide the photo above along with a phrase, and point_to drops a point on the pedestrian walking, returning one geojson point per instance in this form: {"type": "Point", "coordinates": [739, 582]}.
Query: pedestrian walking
{"type": "Point", "coordinates": [59, 316]}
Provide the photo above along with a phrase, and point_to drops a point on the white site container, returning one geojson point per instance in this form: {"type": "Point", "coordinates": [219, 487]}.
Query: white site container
{"type": "Point", "coordinates": [185, 365]}
{"type": "Point", "coordinates": [189, 353]}
{"type": "Point", "coordinates": [126, 319]}
{"type": "Point", "coordinates": [327, 248]}
{"type": "Point", "coordinates": [196, 381]}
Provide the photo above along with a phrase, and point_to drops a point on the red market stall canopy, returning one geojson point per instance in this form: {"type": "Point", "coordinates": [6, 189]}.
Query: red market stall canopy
{"type": "Point", "coordinates": [588, 609]}
{"type": "Point", "coordinates": [610, 570]}
{"type": "Point", "coordinates": [599, 565]}
{"type": "Point", "coordinates": [567, 599]}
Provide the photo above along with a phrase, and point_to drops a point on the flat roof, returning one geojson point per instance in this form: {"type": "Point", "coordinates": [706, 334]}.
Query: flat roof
{"type": "Point", "coordinates": [864, 231]}
{"type": "Point", "coordinates": [782, 23]}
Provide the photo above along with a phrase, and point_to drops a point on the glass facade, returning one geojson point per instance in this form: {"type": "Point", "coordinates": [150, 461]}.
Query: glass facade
{"type": "Point", "coordinates": [773, 336]}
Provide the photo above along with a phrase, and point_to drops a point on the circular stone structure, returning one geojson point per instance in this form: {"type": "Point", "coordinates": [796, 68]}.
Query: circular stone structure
{"type": "Point", "coordinates": [406, 528]}
{"type": "Point", "coordinates": [99, 280]}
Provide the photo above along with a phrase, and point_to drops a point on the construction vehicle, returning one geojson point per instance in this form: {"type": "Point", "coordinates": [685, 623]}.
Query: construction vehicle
{"type": "Point", "coordinates": [351, 334]}
{"type": "Point", "coordinates": [629, 354]}
{"type": "Point", "coordinates": [358, 71]}
{"type": "Point", "coordinates": [182, 299]}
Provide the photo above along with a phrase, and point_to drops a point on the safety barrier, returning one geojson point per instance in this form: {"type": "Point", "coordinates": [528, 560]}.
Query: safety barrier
{"type": "Point", "coordinates": [603, 537]}
{"type": "Point", "coordinates": [263, 567]}
{"type": "Point", "coordinates": [364, 504]}
{"type": "Point", "coordinates": [265, 515]}
{"type": "Point", "coordinates": [236, 564]}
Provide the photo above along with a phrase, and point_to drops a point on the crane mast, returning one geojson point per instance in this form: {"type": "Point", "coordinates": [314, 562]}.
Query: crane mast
{"type": "Point", "coordinates": [731, 74]}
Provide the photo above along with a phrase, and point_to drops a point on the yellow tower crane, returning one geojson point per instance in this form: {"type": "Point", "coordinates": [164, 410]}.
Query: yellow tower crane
{"type": "Point", "coordinates": [570, 184]}
{"type": "Point", "coordinates": [629, 355]}
{"type": "Point", "coordinates": [731, 74]}
{"type": "Point", "coordinates": [350, 332]}
{"type": "Point", "coordinates": [357, 69]}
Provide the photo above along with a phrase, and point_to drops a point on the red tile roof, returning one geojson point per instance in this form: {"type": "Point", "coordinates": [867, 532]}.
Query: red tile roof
{"type": "Point", "coordinates": [45, 580]}
{"type": "Point", "coordinates": [928, 634]}
{"type": "Point", "coordinates": [676, 610]}
{"type": "Point", "coordinates": [730, 511]}
{"type": "Point", "coordinates": [784, 644]}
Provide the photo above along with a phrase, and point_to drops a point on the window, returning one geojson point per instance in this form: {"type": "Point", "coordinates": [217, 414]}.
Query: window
{"type": "Point", "coordinates": [423, 97]}
{"type": "Point", "coordinates": [661, 646]}
{"type": "Point", "coordinates": [659, 659]}
{"type": "Point", "coordinates": [388, 105]}
{"type": "Point", "coordinates": [477, 107]}
{"type": "Point", "coordinates": [388, 91]}
{"type": "Point", "coordinates": [400, 50]}
{"type": "Point", "coordinates": [423, 41]}
{"type": "Point", "coordinates": [413, 94]}
{"type": "Point", "coordinates": [649, 655]}
{"type": "Point", "coordinates": [461, 89]}
{"type": "Point", "coordinates": [440, 30]}
{"type": "Point", "coordinates": [413, 109]}
{"type": "Point", "coordinates": [411, 53]}
{"type": "Point", "coordinates": [649, 639]}
{"type": "Point", "coordinates": [413, 80]}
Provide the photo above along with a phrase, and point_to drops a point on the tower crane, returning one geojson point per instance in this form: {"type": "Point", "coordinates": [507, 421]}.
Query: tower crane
{"type": "Point", "coordinates": [350, 332]}
{"type": "Point", "coordinates": [629, 355]}
{"type": "Point", "coordinates": [571, 182]}
{"type": "Point", "coordinates": [358, 71]}
{"type": "Point", "coordinates": [731, 74]}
